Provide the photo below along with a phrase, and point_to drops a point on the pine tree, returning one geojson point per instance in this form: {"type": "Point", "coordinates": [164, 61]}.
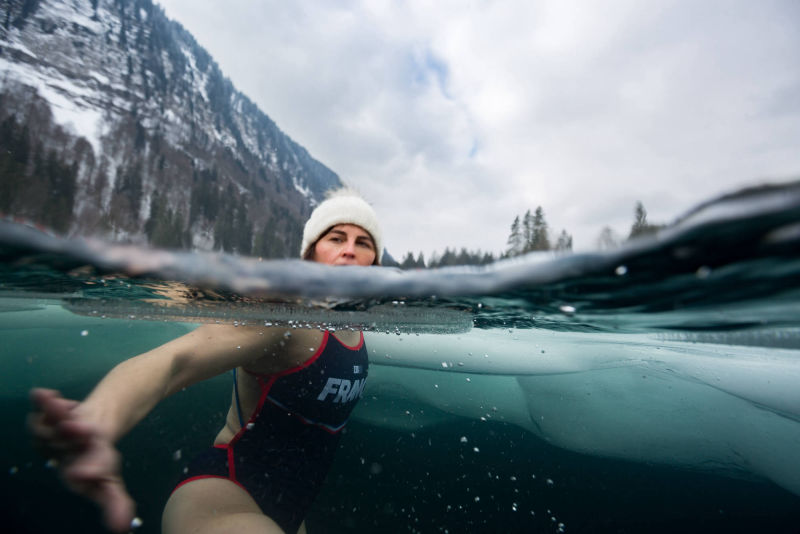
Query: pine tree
{"type": "Point", "coordinates": [564, 242]}
{"type": "Point", "coordinates": [527, 232]}
{"type": "Point", "coordinates": [539, 238]}
{"type": "Point", "coordinates": [408, 262]}
{"type": "Point", "coordinates": [640, 226]}
{"type": "Point", "coordinates": [448, 258]}
{"type": "Point", "coordinates": [608, 239]}
{"type": "Point", "coordinates": [515, 239]}
{"type": "Point", "coordinates": [640, 221]}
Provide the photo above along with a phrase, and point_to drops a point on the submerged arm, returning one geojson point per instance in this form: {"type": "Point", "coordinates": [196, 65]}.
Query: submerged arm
{"type": "Point", "coordinates": [81, 436]}
{"type": "Point", "coordinates": [134, 387]}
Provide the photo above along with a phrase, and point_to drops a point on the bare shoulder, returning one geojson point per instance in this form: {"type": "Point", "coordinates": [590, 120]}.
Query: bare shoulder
{"type": "Point", "coordinates": [350, 338]}
{"type": "Point", "coordinates": [283, 348]}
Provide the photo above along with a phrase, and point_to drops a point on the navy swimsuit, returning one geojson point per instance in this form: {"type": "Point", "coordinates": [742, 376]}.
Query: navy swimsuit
{"type": "Point", "coordinates": [283, 453]}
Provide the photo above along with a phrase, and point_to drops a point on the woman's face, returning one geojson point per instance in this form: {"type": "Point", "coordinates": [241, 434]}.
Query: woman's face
{"type": "Point", "coordinates": [345, 244]}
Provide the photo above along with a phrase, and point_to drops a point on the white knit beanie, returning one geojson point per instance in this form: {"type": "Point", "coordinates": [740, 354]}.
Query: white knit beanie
{"type": "Point", "coordinates": [343, 206]}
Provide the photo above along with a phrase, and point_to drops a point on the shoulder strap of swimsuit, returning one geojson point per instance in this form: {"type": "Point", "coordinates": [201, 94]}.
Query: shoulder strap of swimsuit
{"type": "Point", "coordinates": [236, 395]}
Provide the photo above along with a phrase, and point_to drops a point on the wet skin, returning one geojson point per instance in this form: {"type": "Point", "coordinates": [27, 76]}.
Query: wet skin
{"type": "Point", "coordinates": [82, 436]}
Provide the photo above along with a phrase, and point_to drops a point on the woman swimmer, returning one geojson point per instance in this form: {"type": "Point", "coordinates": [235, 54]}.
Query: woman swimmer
{"type": "Point", "coordinates": [277, 444]}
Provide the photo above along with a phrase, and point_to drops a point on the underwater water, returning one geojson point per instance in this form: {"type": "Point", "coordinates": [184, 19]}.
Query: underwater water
{"type": "Point", "coordinates": [653, 388]}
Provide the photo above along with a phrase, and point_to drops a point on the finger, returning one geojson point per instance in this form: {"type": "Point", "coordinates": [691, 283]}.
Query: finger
{"type": "Point", "coordinates": [118, 506]}
{"type": "Point", "coordinates": [42, 398]}
{"type": "Point", "coordinates": [57, 409]}
{"type": "Point", "coordinates": [94, 463]}
{"type": "Point", "coordinates": [37, 427]}
{"type": "Point", "coordinates": [77, 431]}
{"type": "Point", "coordinates": [46, 437]}
{"type": "Point", "coordinates": [38, 394]}
{"type": "Point", "coordinates": [111, 496]}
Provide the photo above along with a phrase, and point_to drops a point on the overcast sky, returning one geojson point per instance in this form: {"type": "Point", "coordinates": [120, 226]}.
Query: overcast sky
{"type": "Point", "coordinates": [452, 117]}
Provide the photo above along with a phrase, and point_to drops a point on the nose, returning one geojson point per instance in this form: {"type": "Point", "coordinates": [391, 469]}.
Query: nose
{"type": "Point", "coordinates": [349, 249]}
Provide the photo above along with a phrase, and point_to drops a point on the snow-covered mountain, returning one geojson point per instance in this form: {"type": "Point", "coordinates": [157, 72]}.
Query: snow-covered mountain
{"type": "Point", "coordinates": [115, 122]}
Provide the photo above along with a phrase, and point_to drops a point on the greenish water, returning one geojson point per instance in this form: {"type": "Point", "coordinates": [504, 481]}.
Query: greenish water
{"type": "Point", "coordinates": [651, 389]}
{"type": "Point", "coordinates": [385, 478]}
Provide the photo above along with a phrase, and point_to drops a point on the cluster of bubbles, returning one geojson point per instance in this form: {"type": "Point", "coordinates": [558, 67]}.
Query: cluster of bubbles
{"type": "Point", "coordinates": [515, 507]}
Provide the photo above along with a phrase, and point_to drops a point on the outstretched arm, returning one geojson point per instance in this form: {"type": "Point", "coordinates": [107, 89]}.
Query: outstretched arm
{"type": "Point", "coordinates": [81, 436]}
{"type": "Point", "coordinates": [133, 388]}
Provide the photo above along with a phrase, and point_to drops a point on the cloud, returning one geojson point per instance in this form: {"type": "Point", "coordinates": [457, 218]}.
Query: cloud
{"type": "Point", "coordinates": [453, 117]}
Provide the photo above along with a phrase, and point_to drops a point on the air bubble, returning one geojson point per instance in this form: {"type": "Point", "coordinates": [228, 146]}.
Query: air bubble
{"type": "Point", "coordinates": [463, 439]}
{"type": "Point", "coordinates": [84, 333]}
{"type": "Point", "coordinates": [177, 455]}
{"type": "Point", "coordinates": [703, 272]}
{"type": "Point", "coordinates": [621, 270]}
{"type": "Point", "coordinates": [136, 523]}
{"type": "Point", "coordinates": [567, 309]}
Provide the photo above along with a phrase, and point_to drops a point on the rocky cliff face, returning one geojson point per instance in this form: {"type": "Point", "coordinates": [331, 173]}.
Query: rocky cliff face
{"type": "Point", "coordinates": [115, 122]}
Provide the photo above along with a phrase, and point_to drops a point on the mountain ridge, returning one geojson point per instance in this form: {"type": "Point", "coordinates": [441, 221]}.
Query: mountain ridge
{"type": "Point", "coordinates": [118, 111]}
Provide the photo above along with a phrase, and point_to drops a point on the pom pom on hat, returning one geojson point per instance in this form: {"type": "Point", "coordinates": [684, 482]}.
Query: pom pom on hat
{"type": "Point", "coordinates": [343, 206]}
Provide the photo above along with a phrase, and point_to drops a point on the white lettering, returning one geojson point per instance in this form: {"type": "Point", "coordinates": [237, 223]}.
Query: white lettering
{"type": "Point", "coordinates": [361, 389]}
{"type": "Point", "coordinates": [355, 391]}
{"type": "Point", "coordinates": [344, 389]}
{"type": "Point", "coordinates": [330, 387]}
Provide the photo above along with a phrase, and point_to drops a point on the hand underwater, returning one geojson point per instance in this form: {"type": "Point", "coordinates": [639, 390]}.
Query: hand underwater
{"type": "Point", "coordinates": [88, 462]}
